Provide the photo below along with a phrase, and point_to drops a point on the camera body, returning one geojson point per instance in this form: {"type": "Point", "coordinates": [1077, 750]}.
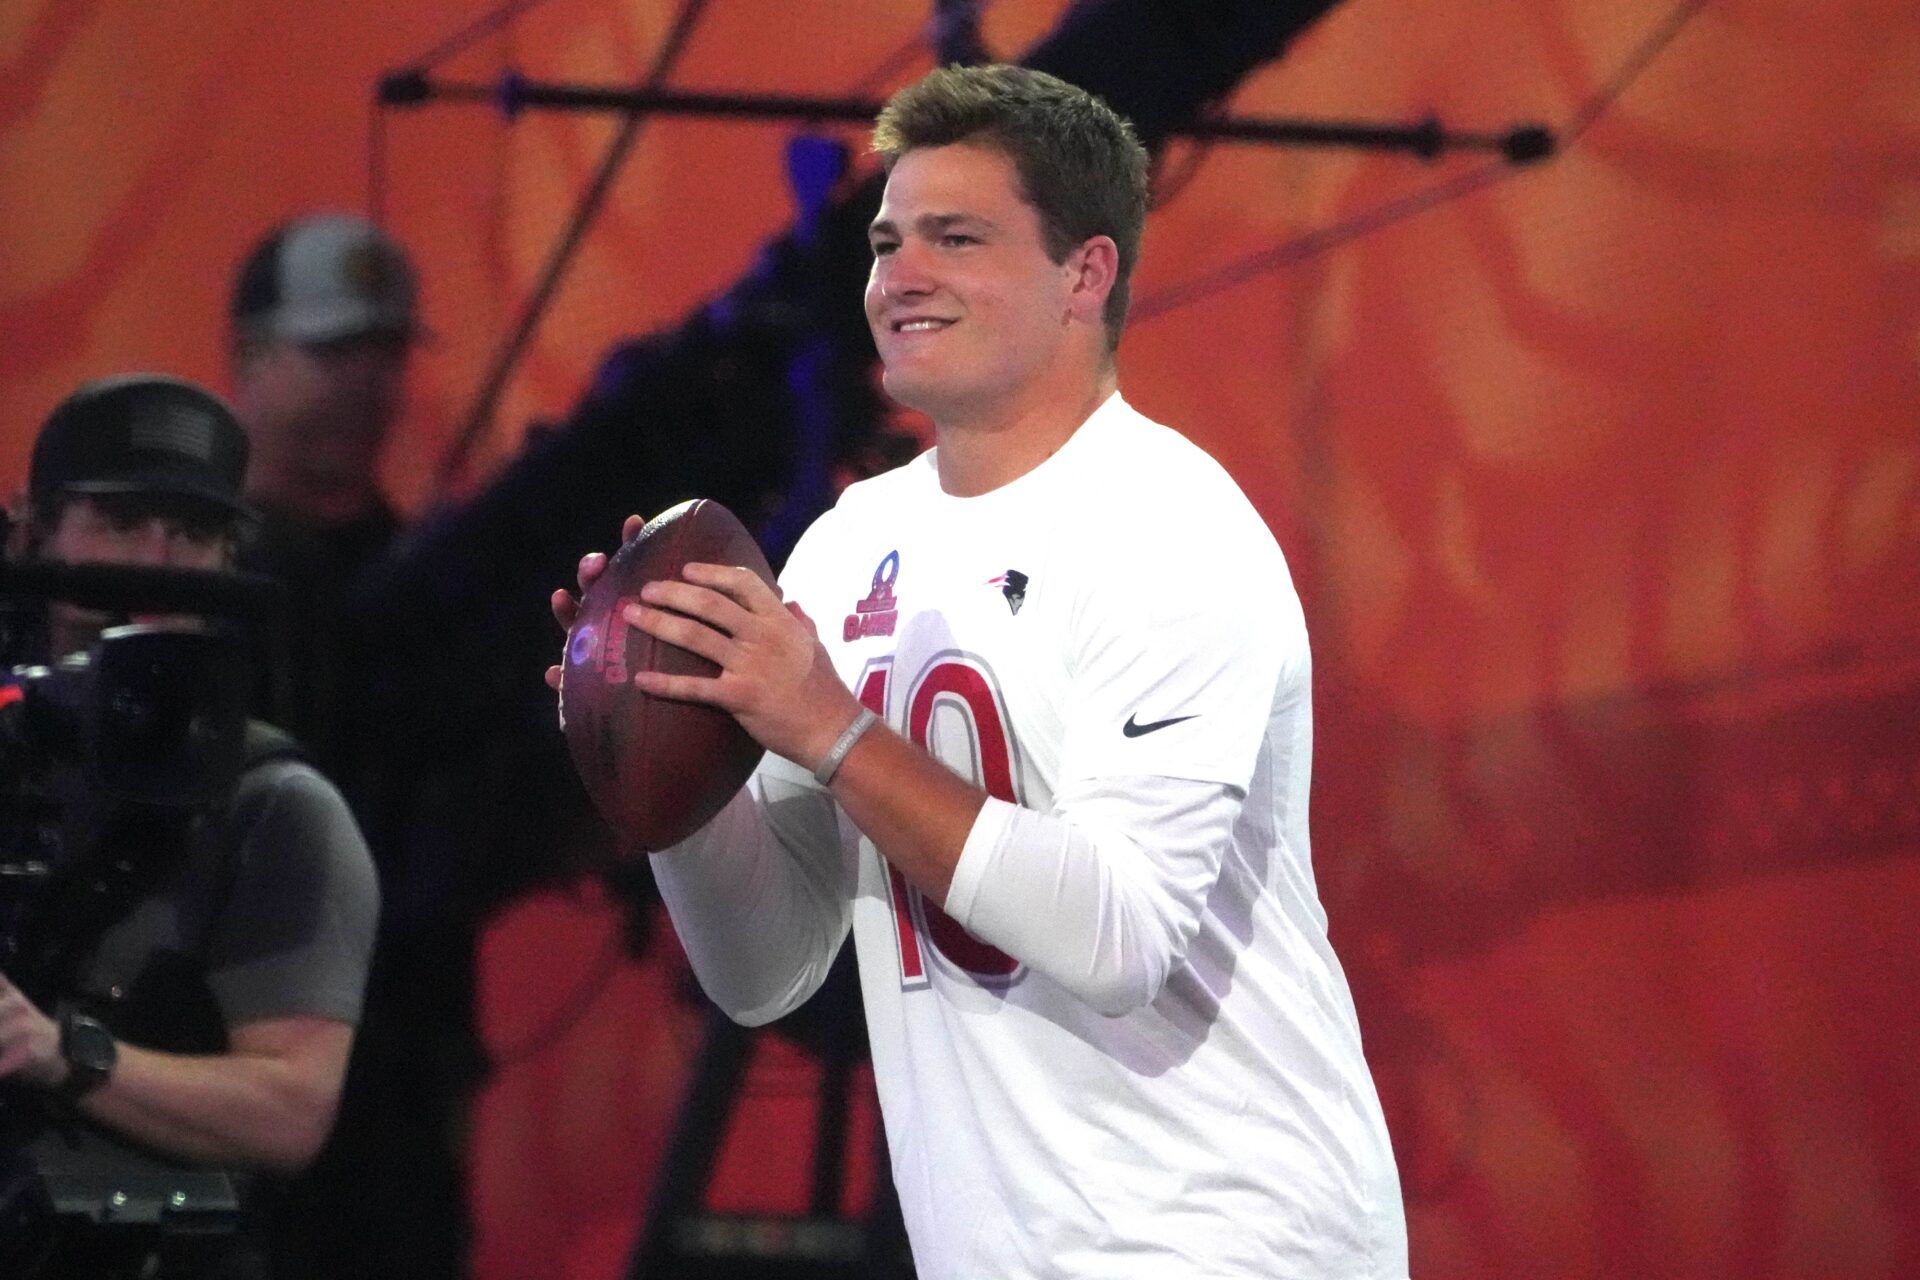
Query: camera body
{"type": "Point", "coordinates": [154, 713]}
{"type": "Point", "coordinates": [149, 722]}
{"type": "Point", "coordinates": [111, 761]}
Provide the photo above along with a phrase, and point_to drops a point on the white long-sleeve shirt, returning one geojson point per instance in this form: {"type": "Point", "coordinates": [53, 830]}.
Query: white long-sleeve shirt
{"type": "Point", "coordinates": [1122, 1046]}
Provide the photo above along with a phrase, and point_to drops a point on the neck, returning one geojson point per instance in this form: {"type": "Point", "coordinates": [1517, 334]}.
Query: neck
{"type": "Point", "coordinates": [317, 498]}
{"type": "Point", "coordinates": [978, 455]}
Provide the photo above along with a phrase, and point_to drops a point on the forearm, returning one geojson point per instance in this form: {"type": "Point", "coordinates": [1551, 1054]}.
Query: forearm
{"type": "Point", "coordinates": [756, 897]}
{"type": "Point", "coordinates": [916, 811]}
{"type": "Point", "coordinates": [1103, 894]}
{"type": "Point", "coordinates": [1102, 897]}
{"type": "Point", "coordinates": [243, 1109]}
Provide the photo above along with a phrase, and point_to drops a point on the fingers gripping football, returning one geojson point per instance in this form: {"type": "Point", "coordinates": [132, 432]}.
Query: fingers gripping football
{"type": "Point", "coordinates": [701, 618]}
{"type": "Point", "coordinates": [566, 605]}
{"type": "Point", "coordinates": [657, 768]}
{"type": "Point", "coordinates": [775, 676]}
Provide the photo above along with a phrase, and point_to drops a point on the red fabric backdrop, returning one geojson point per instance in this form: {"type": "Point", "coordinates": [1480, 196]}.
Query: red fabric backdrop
{"type": "Point", "coordinates": [1601, 483]}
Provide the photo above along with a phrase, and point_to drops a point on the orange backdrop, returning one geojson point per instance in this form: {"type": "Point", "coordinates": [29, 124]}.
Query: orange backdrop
{"type": "Point", "coordinates": [1601, 481]}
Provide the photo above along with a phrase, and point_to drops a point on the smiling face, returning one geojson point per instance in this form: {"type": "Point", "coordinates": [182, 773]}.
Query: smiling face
{"type": "Point", "coordinates": [975, 324]}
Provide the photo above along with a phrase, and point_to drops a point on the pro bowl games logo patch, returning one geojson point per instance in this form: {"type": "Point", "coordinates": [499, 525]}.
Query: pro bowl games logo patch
{"type": "Point", "coordinates": [877, 614]}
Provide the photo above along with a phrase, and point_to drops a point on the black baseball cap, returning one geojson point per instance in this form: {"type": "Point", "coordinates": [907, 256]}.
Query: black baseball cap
{"type": "Point", "coordinates": [142, 433]}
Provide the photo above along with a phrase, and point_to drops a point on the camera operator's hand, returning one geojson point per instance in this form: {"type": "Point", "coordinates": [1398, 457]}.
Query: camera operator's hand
{"type": "Point", "coordinates": [29, 1041]}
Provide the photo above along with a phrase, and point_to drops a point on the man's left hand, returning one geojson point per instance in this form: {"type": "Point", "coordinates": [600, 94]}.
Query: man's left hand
{"type": "Point", "coordinates": [775, 676]}
{"type": "Point", "coordinates": [29, 1041]}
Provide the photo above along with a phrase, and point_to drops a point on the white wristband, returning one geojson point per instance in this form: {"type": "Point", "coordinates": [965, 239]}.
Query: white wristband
{"type": "Point", "coordinates": [830, 763]}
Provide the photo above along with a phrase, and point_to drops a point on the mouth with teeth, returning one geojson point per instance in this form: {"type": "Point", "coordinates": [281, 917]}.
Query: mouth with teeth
{"type": "Point", "coordinates": [919, 324]}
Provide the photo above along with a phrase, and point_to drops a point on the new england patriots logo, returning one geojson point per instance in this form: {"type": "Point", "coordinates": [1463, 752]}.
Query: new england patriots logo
{"type": "Point", "coordinates": [1013, 585]}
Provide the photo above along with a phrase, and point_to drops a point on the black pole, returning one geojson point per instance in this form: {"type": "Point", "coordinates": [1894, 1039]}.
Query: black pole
{"type": "Point", "coordinates": [956, 33]}
{"type": "Point", "coordinates": [713, 1090]}
{"type": "Point", "coordinates": [1522, 144]}
{"type": "Point", "coordinates": [507, 358]}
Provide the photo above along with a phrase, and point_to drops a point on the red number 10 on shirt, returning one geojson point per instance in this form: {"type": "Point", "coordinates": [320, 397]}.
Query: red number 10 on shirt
{"type": "Point", "coordinates": [956, 683]}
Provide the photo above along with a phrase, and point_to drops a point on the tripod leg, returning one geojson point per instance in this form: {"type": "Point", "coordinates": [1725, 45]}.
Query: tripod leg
{"type": "Point", "coordinates": [712, 1094]}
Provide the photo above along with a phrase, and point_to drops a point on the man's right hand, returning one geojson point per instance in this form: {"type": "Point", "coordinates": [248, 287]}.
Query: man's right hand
{"type": "Point", "coordinates": [566, 605]}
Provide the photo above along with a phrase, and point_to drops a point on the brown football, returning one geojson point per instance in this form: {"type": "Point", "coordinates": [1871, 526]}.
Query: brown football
{"type": "Point", "coordinates": [657, 769]}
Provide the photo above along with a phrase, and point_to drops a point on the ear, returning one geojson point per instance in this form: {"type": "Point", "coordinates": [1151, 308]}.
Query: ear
{"type": "Point", "coordinates": [1092, 268]}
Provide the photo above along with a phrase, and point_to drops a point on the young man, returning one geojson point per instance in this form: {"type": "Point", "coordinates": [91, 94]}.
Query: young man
{"type": "Point", "coordinates": [1048, 760]}
{"type": "Point", "coordinates": [212, 1020]}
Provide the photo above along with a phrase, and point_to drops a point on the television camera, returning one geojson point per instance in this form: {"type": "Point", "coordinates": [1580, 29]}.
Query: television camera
{"type": "Point", "coordinates": [111, 760]}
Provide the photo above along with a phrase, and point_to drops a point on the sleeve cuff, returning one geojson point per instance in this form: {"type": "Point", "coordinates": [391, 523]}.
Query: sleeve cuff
{"type": "Point", "coordinates": [989, 825]}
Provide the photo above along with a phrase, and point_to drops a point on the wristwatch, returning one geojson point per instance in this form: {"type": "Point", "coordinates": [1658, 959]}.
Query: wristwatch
{"type": "Point", "coordinates": [90, 1052]}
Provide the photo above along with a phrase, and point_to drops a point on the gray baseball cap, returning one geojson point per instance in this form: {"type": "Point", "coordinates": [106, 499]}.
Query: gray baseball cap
{"type": "Point", "coordinates": [326, 277]}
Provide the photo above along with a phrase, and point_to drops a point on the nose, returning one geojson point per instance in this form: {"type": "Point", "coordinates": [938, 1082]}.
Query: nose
{"type": "Point", "coordinates": [146, 543]}
{"type": "Point", "coordinates": [902, 274]}
{"type": "Point", "coordinates": [160, 543]}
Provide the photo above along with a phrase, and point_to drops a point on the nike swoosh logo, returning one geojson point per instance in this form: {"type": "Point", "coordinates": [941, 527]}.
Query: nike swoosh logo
{"type": "Point", "coordinates": [1133, 730]}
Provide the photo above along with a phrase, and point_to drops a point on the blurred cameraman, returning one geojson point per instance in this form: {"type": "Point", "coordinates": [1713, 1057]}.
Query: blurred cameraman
{"type": "Point", "coordinates": [212, 1020]}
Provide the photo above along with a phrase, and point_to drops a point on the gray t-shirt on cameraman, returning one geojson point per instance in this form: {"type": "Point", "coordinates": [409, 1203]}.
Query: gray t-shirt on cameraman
{"type": "Point", "coordinates": [270, 916]}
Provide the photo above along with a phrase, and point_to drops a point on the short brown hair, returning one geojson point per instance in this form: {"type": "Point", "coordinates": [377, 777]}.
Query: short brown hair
{"type": "Point", "coordinates": [1080, 165]}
